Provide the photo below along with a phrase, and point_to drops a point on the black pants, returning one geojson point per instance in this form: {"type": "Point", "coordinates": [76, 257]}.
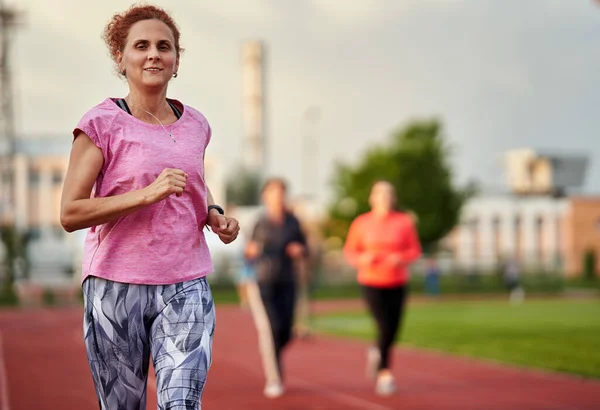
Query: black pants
{"type": "Point", "coordinates": [386, 305]}
{"type": "Point", "coordinates": [279, 299]}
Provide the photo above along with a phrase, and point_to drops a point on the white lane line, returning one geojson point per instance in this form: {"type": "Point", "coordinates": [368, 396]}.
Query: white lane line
{"type": "Point", "coordinates": [335, 395]}
{"type": "Point", "coordinates": [342, 397]}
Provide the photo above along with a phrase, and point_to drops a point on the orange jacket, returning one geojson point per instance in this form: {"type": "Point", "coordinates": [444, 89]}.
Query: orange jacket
{"type": "Point", "coordinates": [388, 239]}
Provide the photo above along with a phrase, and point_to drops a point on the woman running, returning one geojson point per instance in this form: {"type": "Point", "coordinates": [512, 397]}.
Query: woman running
{"type": "Point", "coordinates": [382, 244]}
{"type": "Point", "coordinates": [136, 179]}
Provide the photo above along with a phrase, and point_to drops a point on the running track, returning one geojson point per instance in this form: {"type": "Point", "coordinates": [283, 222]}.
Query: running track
{"type": "Point", "coordinates": [43, 366]}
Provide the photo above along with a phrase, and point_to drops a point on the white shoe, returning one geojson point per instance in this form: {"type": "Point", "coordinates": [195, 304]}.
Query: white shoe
{"type": "Point", "coordinates": [273, 390]}
{"type": "Point", "coordinates": [373, 358]}
{"type": "Point", "coordinates": [385, 385]}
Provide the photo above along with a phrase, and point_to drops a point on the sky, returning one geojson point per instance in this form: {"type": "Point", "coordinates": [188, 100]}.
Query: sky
{"type": "Point", "coordinates": [499, 74]}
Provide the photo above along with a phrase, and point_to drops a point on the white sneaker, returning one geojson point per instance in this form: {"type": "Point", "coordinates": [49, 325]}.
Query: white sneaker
{"type": "Point", "coordinates": [373, 358]}
{"type": "Point", "coordinates": [273, 390]}
{"type": "Point", "coordinates": [385, 385]}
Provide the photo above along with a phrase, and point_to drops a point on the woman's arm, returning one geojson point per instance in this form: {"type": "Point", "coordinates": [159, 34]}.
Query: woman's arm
{"type": "Point", "coordinates": [79, 211]}
{"type": "Point", "coordinates": [253, 248]}
{"type": "Point", "coordinates": [354, 249]}
{"type": "Point", "coordinates": [296, 248]}
{"type": "Point", "coordinates": [225, 227]}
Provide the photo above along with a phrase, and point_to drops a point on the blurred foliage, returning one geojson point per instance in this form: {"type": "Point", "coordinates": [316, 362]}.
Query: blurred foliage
{"type": "Point", "coordinates": [14, 244]}
{"type": "Point", "coordinates": [243, 187]}
{"type": "Point", "coordinates": [589, 264]}
{"type": "Point", "coordinates": [8, 297]}
{"type": "Point", "coordinates": [49, 297]}
{"type": "Point", "coordinates": [416, 160]}
{"type": "Point", "coordinates": [454, 284]}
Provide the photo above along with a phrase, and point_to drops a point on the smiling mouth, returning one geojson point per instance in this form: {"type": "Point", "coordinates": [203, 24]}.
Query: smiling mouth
{"type": "Point", "coordinates": [153, 69]}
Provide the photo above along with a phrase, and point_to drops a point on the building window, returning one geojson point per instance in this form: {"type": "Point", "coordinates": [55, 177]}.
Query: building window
{"type": "Point", "coordinates": [57, 178]}
{"type": "Point", "coordinates": [539, 238]}
{"type": "Point", "coordinates": [518, 236]}
{"type": "Point", "coordinates": [34, 177]}
{"type": "Point", "coordinates": [497, 235]}
{"type": "Point", "coordinates": [558, 233]}
{"type": "Point", "coordinates": [34, 233]}
{"type": "Point", "coordinates": [474, 226]}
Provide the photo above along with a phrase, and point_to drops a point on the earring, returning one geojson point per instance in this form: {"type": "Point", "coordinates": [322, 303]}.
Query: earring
{"type": "Point", "coordinates": [175, 75]}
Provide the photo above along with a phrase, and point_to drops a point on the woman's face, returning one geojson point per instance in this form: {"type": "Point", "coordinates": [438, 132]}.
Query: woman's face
{"type": "Point", "coordinates": [383, 196]}
{"type": "Point", "coordinates": [274, 196]}
{"type": "Point", "coordinates": [149, 58]}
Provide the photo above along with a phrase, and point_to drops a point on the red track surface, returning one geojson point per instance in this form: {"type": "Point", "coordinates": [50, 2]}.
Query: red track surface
{"type": "Point", "coordinates": [43, 366]}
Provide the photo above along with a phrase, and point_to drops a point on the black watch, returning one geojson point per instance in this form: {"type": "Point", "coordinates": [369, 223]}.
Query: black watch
{"type": "Point", "coordinates": [217, 207]}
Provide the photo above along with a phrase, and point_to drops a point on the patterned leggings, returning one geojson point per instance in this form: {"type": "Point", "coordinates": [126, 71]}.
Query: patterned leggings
{"type": "Point", "coordinates": [125, 324]}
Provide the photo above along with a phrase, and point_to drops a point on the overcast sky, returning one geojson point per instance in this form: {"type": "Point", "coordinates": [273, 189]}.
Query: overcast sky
{"type": "Point", "coordinates": [501, 74]}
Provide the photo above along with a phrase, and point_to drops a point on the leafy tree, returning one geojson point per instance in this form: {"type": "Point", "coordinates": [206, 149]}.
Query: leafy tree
{"type": "Point", "coordinates": [416, 162]}
{"type": "Point", "coordinates": [589, 264]}
{"type": "Point", "coordinates": [14, 244]}
{"type": "Point", "coordinates": [243, 187]}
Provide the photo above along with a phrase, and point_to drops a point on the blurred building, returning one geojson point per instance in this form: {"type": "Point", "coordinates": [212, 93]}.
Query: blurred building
{"type": "Point", "coordinates": [39, 166]}
{"type": "Point", "coordinates": [253, 105]}
{"type": "Point", "coordinates": [536, 222]}
{"type": "Point", "coordinates": [531, 172]}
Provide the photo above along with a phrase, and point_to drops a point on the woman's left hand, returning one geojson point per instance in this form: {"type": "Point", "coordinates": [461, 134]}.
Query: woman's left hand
{"type": "Point", "coordinates": [295, 250]}
{"type": "Point", "coordinates": [225, 227]}
{"type": "Point", "coordinates": [394, 260]}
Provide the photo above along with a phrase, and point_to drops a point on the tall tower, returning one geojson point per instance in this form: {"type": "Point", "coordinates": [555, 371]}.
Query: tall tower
{"type": "Point", "coordinates": [9, 19]}
{"type": "Point", "coordinates": [253, 56]}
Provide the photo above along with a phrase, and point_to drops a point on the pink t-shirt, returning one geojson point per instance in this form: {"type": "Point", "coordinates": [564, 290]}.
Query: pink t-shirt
{"type": "Point", "coordinates": [162, 243]}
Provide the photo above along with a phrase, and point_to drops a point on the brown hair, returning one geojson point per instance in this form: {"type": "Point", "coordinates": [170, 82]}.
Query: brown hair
{"type": "Point", "coordinates": [277, 181]}
{"type": "Point", "coordinates": [116, 31]}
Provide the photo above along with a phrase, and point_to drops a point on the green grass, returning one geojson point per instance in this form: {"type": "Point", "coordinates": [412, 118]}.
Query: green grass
{"type": "Point", "coordinates": [556, 335]}
{"type": "Point", "coordinates": [453, 284]}
{"type": "Point", "coordinates": [224, 295]}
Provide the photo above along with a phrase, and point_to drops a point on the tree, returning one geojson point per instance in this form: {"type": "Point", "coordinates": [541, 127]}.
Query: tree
{"type": "Point", "coordinates": [243, 187]}
{"type": "Point", "coordinates": [589, 264]}
{"type": "Point", "coordinates": [14, 244]}
{"type": "Point", "coordinates": [416, 162]}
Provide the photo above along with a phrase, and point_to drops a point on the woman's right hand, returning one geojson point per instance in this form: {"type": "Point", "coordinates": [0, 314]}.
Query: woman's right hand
{"type": "Point", "coordinates": [170, 181]}
{"type": "Point", "coordinates": [366, 259]}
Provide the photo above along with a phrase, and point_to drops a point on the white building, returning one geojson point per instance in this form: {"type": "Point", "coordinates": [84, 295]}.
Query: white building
{"type": "Point", "coordinates": [535, 222]}
{"type": "Point", "coordinates": [493, 227]}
